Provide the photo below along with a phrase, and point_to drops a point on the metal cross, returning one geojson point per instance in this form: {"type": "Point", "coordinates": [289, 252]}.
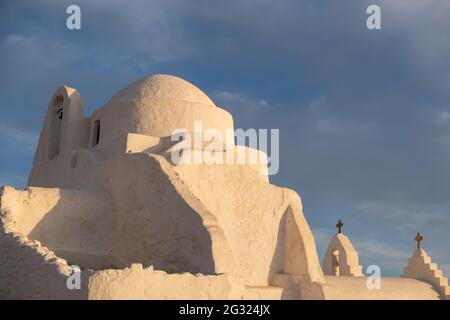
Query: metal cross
{"type": "Point", "coordinates": [419, 239]}
{"type": "Point", "coordinates": [339, 225]}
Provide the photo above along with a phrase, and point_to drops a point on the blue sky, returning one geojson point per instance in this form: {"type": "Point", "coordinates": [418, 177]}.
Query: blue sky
{"type": "Point", "coordinates": [364, 116]}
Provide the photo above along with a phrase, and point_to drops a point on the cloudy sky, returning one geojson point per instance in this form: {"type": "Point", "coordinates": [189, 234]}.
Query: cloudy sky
{"type": "Point", "coordinates": [364, 116]}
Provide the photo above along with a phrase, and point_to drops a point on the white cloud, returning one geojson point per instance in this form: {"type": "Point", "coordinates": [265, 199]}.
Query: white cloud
{"type": "Point", "coordinates": [406, 216]}
{"type": "Point", "coordinates": [18, 139]}
{"type": "Point", "coordinates": [384, 251]}
{"type": "Point", "coordinates": [34, 52]}
{"type": "Point", "coordinates": [386, 255]}
{"type": "Point", "coordinates": [443, 117]}
{"type": "Point", "coordinates": [240, 100]}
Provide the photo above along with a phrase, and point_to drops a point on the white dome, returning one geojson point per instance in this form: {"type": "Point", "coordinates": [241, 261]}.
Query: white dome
{"type": "Point", "coordinates": [162, 86]}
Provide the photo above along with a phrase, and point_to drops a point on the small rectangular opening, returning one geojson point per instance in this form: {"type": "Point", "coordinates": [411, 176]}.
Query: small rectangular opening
{"type": "Point", "coordinates": [96, 133]}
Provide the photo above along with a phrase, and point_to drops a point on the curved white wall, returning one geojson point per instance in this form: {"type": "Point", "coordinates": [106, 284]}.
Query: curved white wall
{"type": "Point", "coordinates": [157, 118]}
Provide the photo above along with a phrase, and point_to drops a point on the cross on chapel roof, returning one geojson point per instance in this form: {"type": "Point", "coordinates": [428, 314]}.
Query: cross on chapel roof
{"type": "Point", "coordinates": [339, 225]}
{"type": "Point", "coordinates": [419, 239]}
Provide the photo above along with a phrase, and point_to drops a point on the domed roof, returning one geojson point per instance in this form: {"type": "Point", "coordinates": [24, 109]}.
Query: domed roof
{"type": "Point", "coordinates": [162, 86]}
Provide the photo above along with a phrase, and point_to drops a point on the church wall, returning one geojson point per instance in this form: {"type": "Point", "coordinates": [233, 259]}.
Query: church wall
{"type": "Point", "coordinates": [355, 288]}
{"type": "Point", "coordinates": [58, 144]}
{"type": "Point", "coordinates": [29, 270]}
{"type": "Point", "coordinates": [157, 118]}
{"type": "Point", "coordinates": [253, 159]}
{"type": "Point", "coordinates": [252, 214]}
{"type": "Point", "coordinates": [72, 170]}
{"type": "Point", "coordinates": [75, 224]}
{"type": "Point", "coordinates": [421, 267]}
{"type": "Point", "coordinates": [71, 134]}
{"type": "Point", "coordinates": [137, 282]}
{"type": "Point", "coordinates": [159, 224]}
{"type": "Point", "coordinates": [239, 185]}
{"type": "Point", "coordinates": [76, 124]}
{"type": "Point", "coordinates": [348, 257]}
{"type": "Point", "coordinates": [145, 283]}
